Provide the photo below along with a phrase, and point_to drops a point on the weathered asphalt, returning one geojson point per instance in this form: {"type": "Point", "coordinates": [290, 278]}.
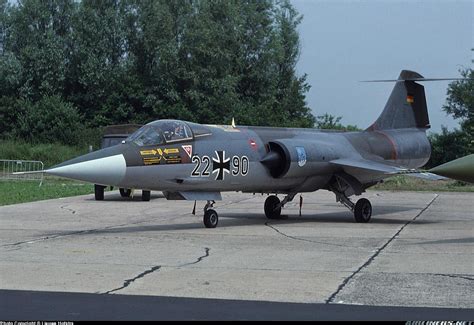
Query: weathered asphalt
{"type": "Point", "coordinates": [417, 252]}
{"type": "Point", "coordinates": [38, 305]}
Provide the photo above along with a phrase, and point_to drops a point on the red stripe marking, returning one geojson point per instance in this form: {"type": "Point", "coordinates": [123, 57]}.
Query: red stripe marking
{"type": "Point", "coordinates": [394, 147]}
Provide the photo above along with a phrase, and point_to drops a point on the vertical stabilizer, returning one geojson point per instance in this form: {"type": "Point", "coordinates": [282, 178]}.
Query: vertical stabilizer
{"type": "Point", "coordinates": [406, 106]}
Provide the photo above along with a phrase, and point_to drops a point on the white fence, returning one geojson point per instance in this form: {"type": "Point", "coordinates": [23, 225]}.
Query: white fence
{"type": "Point", "coordinates": [32, 169]}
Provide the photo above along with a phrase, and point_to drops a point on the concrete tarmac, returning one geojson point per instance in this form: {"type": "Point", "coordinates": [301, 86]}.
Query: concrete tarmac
{"type": "Point", "coordinates": [416, 252]}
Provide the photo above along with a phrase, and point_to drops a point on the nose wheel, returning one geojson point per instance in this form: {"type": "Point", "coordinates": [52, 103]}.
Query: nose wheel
{"type": "Point", "coordinates": [211, 218]}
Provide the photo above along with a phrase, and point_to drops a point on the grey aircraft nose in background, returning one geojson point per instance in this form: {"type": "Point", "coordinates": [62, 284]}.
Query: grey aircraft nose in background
{"type": "Point", "coordinates": [197, 162]}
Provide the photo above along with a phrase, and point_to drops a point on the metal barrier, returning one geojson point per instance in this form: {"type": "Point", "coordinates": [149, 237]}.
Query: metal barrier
{"type": "Point", "coordinates": [27, 166]}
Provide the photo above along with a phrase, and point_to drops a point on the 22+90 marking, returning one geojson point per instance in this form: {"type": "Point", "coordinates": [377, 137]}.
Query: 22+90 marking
{"type": "Point", "coordinates": [240, 166]}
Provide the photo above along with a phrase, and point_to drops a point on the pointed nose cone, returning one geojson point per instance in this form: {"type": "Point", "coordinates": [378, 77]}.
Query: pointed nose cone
{"type": "Point", "coordinates": [104, 167]}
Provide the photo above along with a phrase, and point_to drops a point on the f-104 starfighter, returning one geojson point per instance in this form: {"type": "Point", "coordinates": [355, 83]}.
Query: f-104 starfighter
{"type": "Point", "coordinates": [191, 161]}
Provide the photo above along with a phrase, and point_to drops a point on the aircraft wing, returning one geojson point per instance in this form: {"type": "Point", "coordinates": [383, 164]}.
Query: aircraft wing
{"type": "Point", "coordinates": [378, 167]}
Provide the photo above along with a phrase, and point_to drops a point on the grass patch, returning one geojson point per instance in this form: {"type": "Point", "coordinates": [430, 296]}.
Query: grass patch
{"type": "Point", "coordinates": [408, 183]}
{"type": "Point", "coordinates": [13, 192]}
{"type": "Point", "coordinates": [49, 153]}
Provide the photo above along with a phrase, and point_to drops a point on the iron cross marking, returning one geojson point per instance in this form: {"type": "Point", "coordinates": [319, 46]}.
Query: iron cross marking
{"type": "Point", "coordinates": [221, 165]}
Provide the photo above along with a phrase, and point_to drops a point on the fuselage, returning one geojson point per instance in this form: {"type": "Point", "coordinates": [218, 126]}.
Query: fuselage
{"type": "Point", "coordinates": [196, 157]}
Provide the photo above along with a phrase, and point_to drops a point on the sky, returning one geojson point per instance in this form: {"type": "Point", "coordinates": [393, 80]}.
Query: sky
{"type": "Point", "coordinates": [345, 42]}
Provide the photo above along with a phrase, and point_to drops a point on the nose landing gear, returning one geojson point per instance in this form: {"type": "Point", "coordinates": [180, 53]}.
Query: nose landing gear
{"type": "Point", "coordinates": [211, 217]}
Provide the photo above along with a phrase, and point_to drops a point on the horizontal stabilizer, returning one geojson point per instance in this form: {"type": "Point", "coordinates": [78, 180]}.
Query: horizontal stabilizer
{"type": "Point", "coordinates": [423, 175]}
{"type": "Point", "coordinates": [381, 168]}
{"type": "Point", "coordinates": [368, 165]}
{"type": "Point", "coordinates": [416, 79]}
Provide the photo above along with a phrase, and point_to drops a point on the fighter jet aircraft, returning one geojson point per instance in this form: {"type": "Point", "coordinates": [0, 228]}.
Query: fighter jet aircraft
{"type": "Point", "coordinates": [189, 161]}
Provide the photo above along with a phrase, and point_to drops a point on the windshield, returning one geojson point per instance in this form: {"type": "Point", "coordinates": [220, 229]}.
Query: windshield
{"type": "Point", "coordinates": [160, 132]}
{"type": "Point", "coordinates": [174, 130]}
{"type": "Point", "coordinates": [146, 136]}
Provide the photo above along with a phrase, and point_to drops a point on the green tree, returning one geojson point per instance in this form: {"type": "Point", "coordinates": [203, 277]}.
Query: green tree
{"type": "Point", "coordinates": [121, 61]}
{"type": "Point", "coordinates": [48, 120]}
{"type": "Point", "coordinates": [460, 104]}
{"type": "Point", "coordinates": [208, 84]}
{"type": "Point", "coordinates": [450, 145]}
{"type": "Point", "coordinates": [331, 122]}
{"type": "Point", "coordinates": [256, 65]}
{"type": "Point", "coordinates": [291, 89]}
{"type": "Point", "coordinates": [4, 15]}
{"type": "Point", "coordinates": [100, 83]}
{"type": "Point", "coordinates": [38, 39]}
{"type": "Point", "coordinates": [447, 146]}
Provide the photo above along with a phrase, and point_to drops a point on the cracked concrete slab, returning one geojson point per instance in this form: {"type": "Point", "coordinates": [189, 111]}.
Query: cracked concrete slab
{"type": "Point", "coordinates": [413, 253]}
{"type": "Point", "coordinates": [408, 289]}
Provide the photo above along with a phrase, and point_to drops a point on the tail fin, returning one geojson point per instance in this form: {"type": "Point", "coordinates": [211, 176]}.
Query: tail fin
{"type": "Point", "coordinates": [406, 107]}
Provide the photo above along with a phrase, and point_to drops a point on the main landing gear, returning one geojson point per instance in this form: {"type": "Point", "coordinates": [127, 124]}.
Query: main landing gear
{"type": "Point", "coordinates": [273, 205]}
{"type": "Point", "coordinates": [210, 218]}
{"type": "Point", "coordinates": [124, 192]}
{"type": "Point", "coordinates": [362, 209]}
{"type": "Point", "coordinates": [127, 192]}
{"type": "Point", "coordinates": [99, 192]}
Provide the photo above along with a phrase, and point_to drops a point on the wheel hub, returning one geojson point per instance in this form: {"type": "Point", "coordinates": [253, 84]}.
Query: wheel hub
{"type": "Point", "coordinates": [213, 218]}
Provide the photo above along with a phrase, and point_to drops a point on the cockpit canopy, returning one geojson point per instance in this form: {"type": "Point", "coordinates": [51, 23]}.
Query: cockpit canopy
{"type": "Point", "coordinates": [161, 132]}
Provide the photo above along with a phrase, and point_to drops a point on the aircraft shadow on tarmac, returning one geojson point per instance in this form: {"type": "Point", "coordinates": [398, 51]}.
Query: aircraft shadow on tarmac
{"type": "Point", "coordinates": [252, 219]}
{"type": "Point", "coordinates": [328, 217]}
{"type": "Point", "coordinates": [118, 198]}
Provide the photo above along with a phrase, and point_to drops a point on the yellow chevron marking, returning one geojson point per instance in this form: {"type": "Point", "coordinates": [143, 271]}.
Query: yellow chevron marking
{"type": "Point", "coordinates": [171, 150]}
{"type": "Point", "coordinates": [148, 152]}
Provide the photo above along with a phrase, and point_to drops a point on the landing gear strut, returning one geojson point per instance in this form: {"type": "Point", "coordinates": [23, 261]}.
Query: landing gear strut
{"type": "Point", "coordinates": [99, 192]}
{"type": "Point", "coordinates": [146, 195]}
{"type": "Point", "coordinates": [125, 192]}
{"type": "Point", "coordinates": [210, 218]}
{"type": "Point", "coordinates": [362, 209]}
{"type": "Point", "coordinates": [273, 205]}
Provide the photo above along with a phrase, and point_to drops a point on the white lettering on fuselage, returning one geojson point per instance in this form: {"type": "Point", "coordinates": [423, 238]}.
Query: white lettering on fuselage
{"type": "Point", "coordinates": [238, 165]}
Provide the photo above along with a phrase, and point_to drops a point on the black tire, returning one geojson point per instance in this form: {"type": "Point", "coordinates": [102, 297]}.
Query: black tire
{"type": "Point", "coordinates": [210, 218]}
{"type": "Point", "coordinates": [146, 195]}
{"type": "Point", "coordinates": [363, 211]}
{"type": "Point", "coordinates": [125, 192]}
{"type": "Point", "coordinates": [99, 192]}
{"type": "Point", "coordinates": [270, 203]}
